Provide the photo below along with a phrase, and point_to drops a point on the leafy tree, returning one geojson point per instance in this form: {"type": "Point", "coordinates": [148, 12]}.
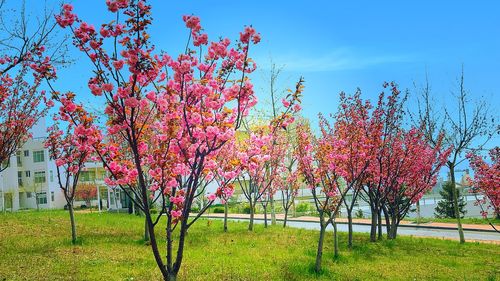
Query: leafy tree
{"type": "Point", "coordinates": [467, 127]}
{"type": "Point", "coordinates": [446, 207]}
{"type": "Point", "coordinates": [487, 180]}
{"type": "Point", "coordinates": [86, 192]}
{"type": "Point", "coordinates": [71, 148]}
{"type": "Point", "coordinates": [27, 54]}
{"type": "Point", "coordinates": [167, 117]}
{"type": "Point", "coordinates": [314, 156]}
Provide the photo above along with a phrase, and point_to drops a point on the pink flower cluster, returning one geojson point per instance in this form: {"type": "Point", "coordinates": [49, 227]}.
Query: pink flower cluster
{"type": "Point", "coordinates": [66, 18]}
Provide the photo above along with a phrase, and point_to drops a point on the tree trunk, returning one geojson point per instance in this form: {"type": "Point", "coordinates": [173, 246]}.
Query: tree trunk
{"type": "Point", "coordinates": [387, 221]}
{"type": "Point", "coordinates": [273, 211]}
{"type": "Point", "coordinates": [146, 231]}
{"type": "Point", "coordinates": [373, 229]}
{"type": "Point", "coordinates": [380, 233]}
{"type": "Point", "coordinates": [265, 216]}
{"type": "Point", "coordinates": [319, 254]}
{"type": "Point", "coordinates": [455, 205]}
{"type": "Point", "coordinates": [349, 225]}
{"type": "Point", "coordinates": [73, 226]}
{"type": "Point", "coordinates": [252, 213]}
{"type": "Point", "coordinates": [172, 276]}
{"type": "Point", "coordinates": [418, 211]}
{"type": "Point", "coordinates": [395, 231]}
{"type": "Point", "coordinates": [391, 233]}
{"type": "Point", "coordinates": [286, 218]}
{"type": "Point", "coordinates": [335, 239]}
{"type": "Point", "coordinates": [225, 216]}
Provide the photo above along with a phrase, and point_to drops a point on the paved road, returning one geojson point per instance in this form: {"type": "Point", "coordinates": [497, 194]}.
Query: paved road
{"type": "Point", "coordinates": [480, 236]}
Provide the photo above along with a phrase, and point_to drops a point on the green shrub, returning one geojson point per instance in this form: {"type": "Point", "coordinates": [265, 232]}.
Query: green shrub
{"type": "Point", "coordinates": [359, 214]}
{"type": "Point", "coordinates": [246, 209]}
{"type": "Point", "coordinates": [218, 210]}
{"type": "Point", "coordinates": [303, 207]}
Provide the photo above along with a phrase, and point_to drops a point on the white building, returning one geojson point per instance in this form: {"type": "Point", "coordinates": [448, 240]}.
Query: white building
{"type": "Point", "coordinates": [30, 181]}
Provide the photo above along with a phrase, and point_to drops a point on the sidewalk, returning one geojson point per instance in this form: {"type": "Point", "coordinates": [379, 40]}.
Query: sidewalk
{"type": "Point", "coordinates": [434, 225]}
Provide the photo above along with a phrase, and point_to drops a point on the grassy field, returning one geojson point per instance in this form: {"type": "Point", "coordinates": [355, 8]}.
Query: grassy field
{"type": "Point", "coordinates": [36, 246]}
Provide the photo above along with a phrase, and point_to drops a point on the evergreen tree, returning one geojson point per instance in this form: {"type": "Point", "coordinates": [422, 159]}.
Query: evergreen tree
{"type": "Point", "coordinates": [444, 209]}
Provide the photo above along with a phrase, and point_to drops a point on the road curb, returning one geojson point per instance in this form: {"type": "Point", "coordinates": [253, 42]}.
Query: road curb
{"type": "Point", "coordinates": [360, 223]}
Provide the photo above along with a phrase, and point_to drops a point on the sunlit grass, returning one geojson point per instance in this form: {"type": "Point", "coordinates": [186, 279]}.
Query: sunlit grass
{"type": "Point", "coordinates": [36, 246]}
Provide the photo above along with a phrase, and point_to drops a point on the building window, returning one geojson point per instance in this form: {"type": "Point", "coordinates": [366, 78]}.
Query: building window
{"type": "Point", "coordinates": [28, 194]}
{"type": "Point", "coordinates": [38, 156]}
{"type": "Point", "coordinates": [52, 196]}
{"type": "Point", "coordinates": [85, 176]}
{"type": "Point", "coordinates": [20, 178]}
{"type": "Point", "coordinates": [42, 198]}
{"type": "Point", "coordinates": [40, 177]}
{"type": "Point", "coordinates": [26, 153]}
{"type": "Point", "coordinates": [51, 176]}
{"type": "Point", "coordinates": [19, 161]}
{"type": "Point", "coordinates": [27, 174]}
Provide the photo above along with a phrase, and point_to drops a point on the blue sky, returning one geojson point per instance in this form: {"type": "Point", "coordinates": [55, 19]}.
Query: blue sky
{"type": "Point", "coordinates": [339, 45]}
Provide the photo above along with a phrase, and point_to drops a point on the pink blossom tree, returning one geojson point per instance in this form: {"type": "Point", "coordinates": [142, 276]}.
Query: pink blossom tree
{"type": "Point", "coordinates": [24, 64]}
{"type": "Point", "coordinates": [71, 148]}
{"type": "Point", "coordinates": [169, 117]}
{"type": "Point", "coordinates": [261, 154]}
{"type": "Point", "coordinates": [384, 125]}
{"type": "Point", "coordinates": [322, 176]}
{"type": "Point", "coordinates": [228, 168]}
{"type": "Point", "coordinates": [288, 180]}
{"type": "Point", "coordinates": [487, 181]}
{"type": "Point", "coordinates": [351, 125]}
{"type": "Point", "coordinates": [254, 156]}
{"type": "Point", "coordinates": [410, 175]}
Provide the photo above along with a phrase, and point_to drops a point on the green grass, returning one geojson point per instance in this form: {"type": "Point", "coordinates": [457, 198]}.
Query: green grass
{"type": "Point", "coordinates": [36, 246]}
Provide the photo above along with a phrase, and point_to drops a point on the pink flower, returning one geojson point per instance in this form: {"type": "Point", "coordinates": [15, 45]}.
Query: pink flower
{"type": "Point", "coordinates": [113, 6]}
{"type": "Point", "coordinates": [151, 96]}
{"type": "Point", "coordinates": [176, 213]}
{"type": "Point", "coordinates": [256, 38]}
{"type": "Point", "coordinates": [131, 102]}
{"type": "Point", "coordinates": [192, 22]}
{"type": "Point", "coordinates": [107, 87]}
{"type": "Point", "coordinates": [177, 200]}
{"type": "Point", "coordinates": [285, 103]}
{"type": "Point", "coordinates": [66, 17]}
{"type": "Point", "coordinates": [200, 40]}
{"type": "Point", "coordinates": [211, 196]}
{"type": "Point", "coordinates": [70, 107]}
{"type": "Point", "coordinates": [118, 64]}
{"type": "Point", "coordinates": [95, 89]}
{"type": "Point", "coordinates": [247, 34]}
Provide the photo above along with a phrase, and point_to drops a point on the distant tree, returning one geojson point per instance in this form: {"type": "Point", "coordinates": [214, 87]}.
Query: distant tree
{"type": "Point", "coordinates": [27, 54]}
{"type": "Point", "coordinates": [446, 207]}
{"type": "Point", "coordinates": [71, 148]}
{"type": "Point", "coordinates": [86, 192]}
{"type": "Point", "coordinates": [466, 126]}
{"type": "Point", "coordinates": [487, 181]}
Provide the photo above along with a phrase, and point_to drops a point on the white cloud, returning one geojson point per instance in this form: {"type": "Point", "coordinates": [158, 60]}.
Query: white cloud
{"type": "Point", "coordinates": [339, 59]}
